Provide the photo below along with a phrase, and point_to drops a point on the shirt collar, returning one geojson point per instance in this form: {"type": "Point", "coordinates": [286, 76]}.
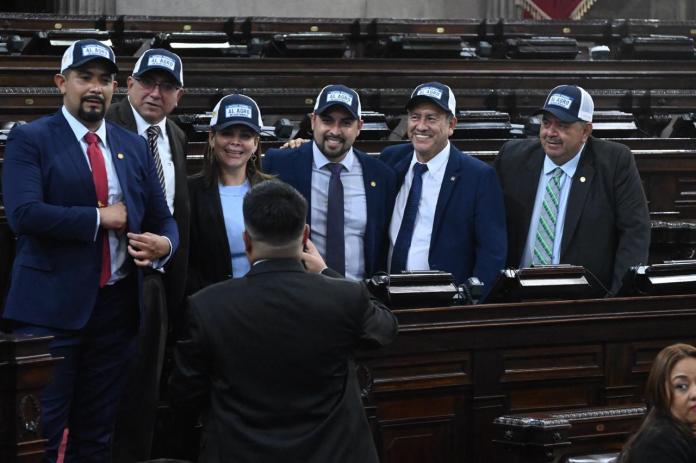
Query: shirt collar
{"type": "Point", "coordinates": [568, 168]}
{"type": "Point", "coordinates": [79, 128]}
{"type": "Point", "coordinates": [320, 160]}
{"type": "Point", "coordinates": [437, 162]}
{"type": "Point", "coordinates": [142, 125]}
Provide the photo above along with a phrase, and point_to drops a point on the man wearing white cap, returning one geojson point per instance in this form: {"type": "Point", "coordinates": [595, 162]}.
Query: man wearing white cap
{"type": "Point", "coordinates": [154, 90]}
{"type": "Point", "coordinates": [84, 199]}
{"type": "Point", "coordinates": [449, 210]}
{"type": "Point", "coordinates": [349, 193]}
{"type": "Point", "coordinates": [572, 198]}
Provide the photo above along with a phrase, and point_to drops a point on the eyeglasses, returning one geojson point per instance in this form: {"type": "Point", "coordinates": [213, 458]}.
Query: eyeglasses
{"type": "Point", "coordinates": [150, 84]}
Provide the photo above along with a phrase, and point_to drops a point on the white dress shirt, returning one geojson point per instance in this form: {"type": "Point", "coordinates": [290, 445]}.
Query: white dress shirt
{"type": "Point", "coordinates": [419, 251]}
{"type": "Point", "coordinates": [355, 209]}
{"type": "Point", "coordinates": [117, 243]}
{"type": "Point", "coordinates": [165, 154]}
{"type": "Point", "coordinates": [565, 182]}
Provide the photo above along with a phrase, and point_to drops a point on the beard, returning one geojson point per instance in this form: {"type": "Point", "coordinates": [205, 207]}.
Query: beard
{"type": "Point", "coordinates": [91, 114]}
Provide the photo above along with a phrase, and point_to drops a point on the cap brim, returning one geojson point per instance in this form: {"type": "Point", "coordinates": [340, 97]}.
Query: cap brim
{"type": "Point", "coordinates": [87, 59]}
{"type": "Point", "coordinates": [422, 98]}
{"type": "Point", "coordinates": [159, 68]}
{"type": "Point", "coordinates": [558, 113]}
{"type": "Point", "coordinates": [322, 109]}
{"type": "Point", "coordinates": [224, 125]}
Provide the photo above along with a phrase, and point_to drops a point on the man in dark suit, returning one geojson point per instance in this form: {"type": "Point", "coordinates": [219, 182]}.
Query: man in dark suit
{"type": "Point", "coordinates": [270, 354]}
{"type": "Point", "coordinates": [571, 198]}
{"type": "Point", "coordinates": [349, 208]}
{"type": "Point", "coordinates": [154, 90]}
{"type": "Point", "coordinates": [449, 210]}
{"type": "Point", "coordinates": [84, 199]}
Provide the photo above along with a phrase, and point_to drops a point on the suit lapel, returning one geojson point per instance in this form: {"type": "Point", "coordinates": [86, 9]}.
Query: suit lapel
{"type": "Point", "coordinates": [303, 172]}
{"type": "Point", "coordinates": [179, 160]}
{"type": "Point", "coordinates": [401, 167]}
{"type": "Point", "coordinates": [528, 183]}
{"type": "Point", "coordinates": [582, 183]}
{"type": "Point", "coordinates": [449, 182]}
{"type": "Point", "coordinates": [373, 186]}
{"type": "Point", "coordinates": [119, 160]}
{"type": "Point", "coordinates": [62, 131]}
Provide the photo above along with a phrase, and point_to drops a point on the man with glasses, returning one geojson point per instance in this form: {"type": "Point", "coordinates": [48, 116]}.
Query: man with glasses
{"type": "Point", "coordinates": [154, 90]}
{"type": "Point", "coordinates": [449, 212]}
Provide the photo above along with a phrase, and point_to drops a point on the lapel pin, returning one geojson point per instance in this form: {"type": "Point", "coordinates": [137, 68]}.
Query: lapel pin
{"type": "Point", "coordinates": [100, 204]}
{"type": "Point", "coordinates": [373, 184]}
{"type": "Point", "coordinates": [582, 179]}
{"type": "Point", "coordinates": [453, 178]}
{"type": "Point", "coordinates": [120, 155]}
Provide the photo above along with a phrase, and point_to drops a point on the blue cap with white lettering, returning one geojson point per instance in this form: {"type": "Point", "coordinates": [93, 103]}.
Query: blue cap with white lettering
{"type": "Point", "coordinates": [434, 92]}
{"type": "Point", "coordinates": [340, 95]}
{"type": "Point", "coordinates": [569, 103]}
{"type": "Point", "coordinates": [160, 59]}
{"type": "Point", "coordinates": [236, 109]}
{"type": "Point", "coordinates": [83, 51]}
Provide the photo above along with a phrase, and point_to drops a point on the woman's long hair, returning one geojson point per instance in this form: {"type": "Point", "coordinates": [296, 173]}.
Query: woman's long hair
{"type": "Point", "coordinates": [211, 168]}
{"type": "Point", "coordinates": [658, 395]}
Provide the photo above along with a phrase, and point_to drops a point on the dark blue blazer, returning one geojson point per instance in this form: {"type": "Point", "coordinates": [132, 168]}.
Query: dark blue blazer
{"type": "Point", "coordinates": [468, 237]}
{"type": "Point", "coordinates": [295, 168]}
{"type": "Point", "coordinates": [50, 203]}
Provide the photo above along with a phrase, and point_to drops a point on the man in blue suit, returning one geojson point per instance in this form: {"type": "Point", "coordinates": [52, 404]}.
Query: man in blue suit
{"type": "Point", "coordinates": [350, 195]}
{"type": "Point", "coordinates": [449, 213]}
{"type": "Point", "coordinates": [84, 200]}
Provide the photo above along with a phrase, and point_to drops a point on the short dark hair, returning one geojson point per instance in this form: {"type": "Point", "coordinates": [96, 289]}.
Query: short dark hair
{"type": "Point", "coordinates": [274, 213]}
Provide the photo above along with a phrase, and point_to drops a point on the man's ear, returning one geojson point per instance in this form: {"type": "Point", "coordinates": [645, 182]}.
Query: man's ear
{"type": "Point", "coordinates": [247, 241]}
{"type": "Point", "coordinates": [305, 235]}
{"type": "Point", "coordinates": [60, 80]}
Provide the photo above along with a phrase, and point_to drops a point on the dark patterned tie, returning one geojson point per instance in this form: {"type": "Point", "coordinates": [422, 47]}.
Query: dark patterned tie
{"type": "Point", "coordinates": [335, 242]}
{"type": "Point", "coordinates": [408, 222]}
{"type": "Point", "coordinates": [101, 186]}
{"type": "Point", "coordinates": [153, 133]}
{"type": "Point", "coordinates": [546, 227]}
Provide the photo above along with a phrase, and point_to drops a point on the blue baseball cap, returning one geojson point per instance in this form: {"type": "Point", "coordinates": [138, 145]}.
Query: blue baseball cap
{"type": "Point", "coordinates": [84, 51]}
{"type": "Point", "coordinates": [160, 59]}
{"type": "Point", "coordinates": [569, 103]}
{"type": "Point", "coordinates": [333, 95]}
{"type": "Point", "coordinates": [434, 92]}
{"type": "Point", "coordinates": [236, 109]}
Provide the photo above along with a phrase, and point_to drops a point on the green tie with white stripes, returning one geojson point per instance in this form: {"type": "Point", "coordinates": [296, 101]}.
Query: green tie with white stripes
{"type": "Point", "coordinates": [546, 228]}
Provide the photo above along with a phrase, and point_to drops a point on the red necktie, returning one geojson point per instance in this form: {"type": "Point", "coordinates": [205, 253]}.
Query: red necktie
{"type": "Point", "coordinates": [101, 185]}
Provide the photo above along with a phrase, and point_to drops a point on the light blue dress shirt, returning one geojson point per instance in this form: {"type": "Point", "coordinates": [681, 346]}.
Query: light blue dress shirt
{"type": "Point", "coordinates": [566, 181]}
{"type": "Point", "coordinates": [355, 209]}
{"type": "Point", "coordinates": [231, 198]}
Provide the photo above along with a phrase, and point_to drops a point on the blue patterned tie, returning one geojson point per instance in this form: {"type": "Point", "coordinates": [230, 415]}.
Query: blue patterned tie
{"type": "Point", "coordinates": [335, 242]}
{"type": "Point", "coordinates": [546, 228]}
{"type": "Point", "coordinates": [408, 222]}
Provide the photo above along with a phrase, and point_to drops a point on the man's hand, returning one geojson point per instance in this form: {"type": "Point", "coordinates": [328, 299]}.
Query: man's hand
{"type": "Point", "coordinates": [294, 143]}
{"type": "Point", "coordinates": [146, 247]}
{"type": "Point", "coordinates": [114, 217]}
{"type": "Point", "coordinates": [313, 261]}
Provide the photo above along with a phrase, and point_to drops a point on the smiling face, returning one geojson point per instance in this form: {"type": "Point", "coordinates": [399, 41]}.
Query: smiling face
{"type": "Point", "coordinates": [682, 391]}
{"type": "Point", "coordinates": [87, 91]}
{"type": "Point", "coordinates": [334, 131]}
{"type": "Point", "coordinates": [233, 147]}
{"type": "Point", "coordinates": [154, 95]}
{"type": "Point", "coordinates": [562, 140]}
{"type": "Point", "coordinates": [429, 128]}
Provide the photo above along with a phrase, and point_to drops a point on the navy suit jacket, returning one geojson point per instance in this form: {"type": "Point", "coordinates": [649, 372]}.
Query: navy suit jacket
{"type": "Point", "coordinates": [468, 237]}
{"type": "Point", "coordinates": [50, 203]}
{"type": "Point", "coordinates": [294, 167]}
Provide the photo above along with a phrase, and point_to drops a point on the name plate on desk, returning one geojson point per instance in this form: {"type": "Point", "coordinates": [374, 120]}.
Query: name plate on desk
{"type": "Point", "coordinates": [415, 289]}
{"type": "Point", "coordinates": [548, 282]}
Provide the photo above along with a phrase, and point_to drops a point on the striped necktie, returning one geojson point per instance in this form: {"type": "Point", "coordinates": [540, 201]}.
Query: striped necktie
{"type": "Point", "coordinates": [153, 133]}
{"type": "Point", "coordinates": [546, 228]}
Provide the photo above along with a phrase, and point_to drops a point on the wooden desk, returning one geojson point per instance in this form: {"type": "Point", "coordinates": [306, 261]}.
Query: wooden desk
{"type": "Point", "coordinates": [433, 395]}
